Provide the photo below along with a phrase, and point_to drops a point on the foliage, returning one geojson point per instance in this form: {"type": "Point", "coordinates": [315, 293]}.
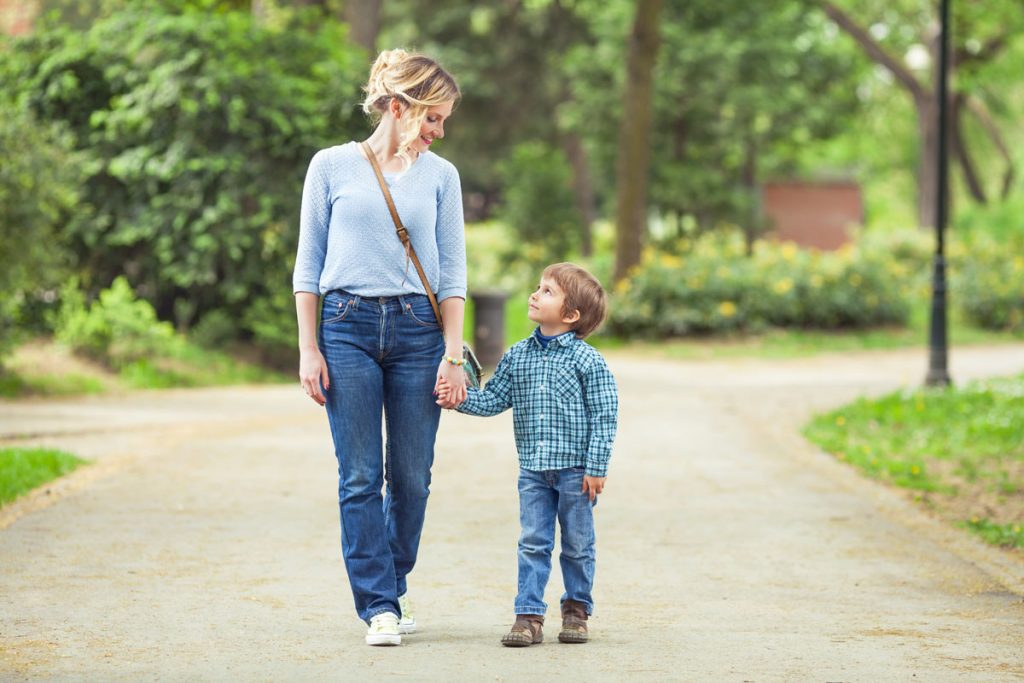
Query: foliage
{"type": "Point", "coordinates": [989, 284]}
{"type": "Point", "coordinates": [538, 202]}
{"type": "Point", "coordinates": [198, 127]}
{"type": "Point", "coordinates": [964, 446]}
{"type": "Point", "coordinates": [23, 469]}
{"type": "Point", "coordinates": [117, 328]}
{"type": "Point", "coordinates": [711, 286]}
{"type": "Point", "coordinates": [37, 193]}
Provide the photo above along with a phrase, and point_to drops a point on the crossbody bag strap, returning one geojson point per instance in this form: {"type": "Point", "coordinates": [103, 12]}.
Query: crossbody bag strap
{"type": "Point", "coordinates": [402, 233]}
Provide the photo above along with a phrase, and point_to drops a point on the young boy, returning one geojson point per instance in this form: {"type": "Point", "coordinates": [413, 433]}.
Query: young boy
{"type": "Point", "coordinates": [564, 405]}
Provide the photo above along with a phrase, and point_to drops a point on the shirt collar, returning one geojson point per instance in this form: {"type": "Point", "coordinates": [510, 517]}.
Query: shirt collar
{"type": "Point", "coordinates": [564, 339]}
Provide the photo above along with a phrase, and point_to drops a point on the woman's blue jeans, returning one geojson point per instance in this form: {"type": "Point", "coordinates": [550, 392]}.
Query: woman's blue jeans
{"type": "Point", "coordinates": [382, 357]}
{"type": "Point", "coordinates": [544, 497]}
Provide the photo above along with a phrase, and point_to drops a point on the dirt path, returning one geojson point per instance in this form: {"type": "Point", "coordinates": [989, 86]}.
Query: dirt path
{"type": "Point", "coordinates": [202, 544]}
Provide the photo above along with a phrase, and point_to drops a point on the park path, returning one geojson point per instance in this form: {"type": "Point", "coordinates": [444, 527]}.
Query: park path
{"type": "Point", "coordinates": [201, 545]}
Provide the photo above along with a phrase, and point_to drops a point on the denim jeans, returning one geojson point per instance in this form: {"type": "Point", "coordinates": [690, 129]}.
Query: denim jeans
{"type": "Point", "coordinates": [543, 497]}
{"type": "Point", "coordinates": [382, 357]}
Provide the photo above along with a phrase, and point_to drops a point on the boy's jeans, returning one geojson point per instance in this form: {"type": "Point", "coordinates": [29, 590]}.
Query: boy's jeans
{"type": "Point", "coordinates": [382, 354]}
{"type": "Point", "coordinates": [543, 497]}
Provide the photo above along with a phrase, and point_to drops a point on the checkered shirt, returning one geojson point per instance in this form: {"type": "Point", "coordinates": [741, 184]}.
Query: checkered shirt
{"type": "Point", "coordinates": [564, 403]}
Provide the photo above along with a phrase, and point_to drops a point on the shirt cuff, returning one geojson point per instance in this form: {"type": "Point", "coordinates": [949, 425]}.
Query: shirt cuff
{"type": "Point", "coordinates": [306, 286]}
{"type": "Point", "coordinates": [450, 292]}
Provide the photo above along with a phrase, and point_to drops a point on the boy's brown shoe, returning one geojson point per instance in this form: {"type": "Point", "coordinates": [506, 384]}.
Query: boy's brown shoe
{"type": "Point", "coordinates": [574, 623]}
{"type": "Point", "coordinates": [525, 632]}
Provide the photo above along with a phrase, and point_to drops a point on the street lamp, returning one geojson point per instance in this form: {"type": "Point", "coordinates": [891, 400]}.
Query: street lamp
{"type": "Point", "coordinates": [938, 352]}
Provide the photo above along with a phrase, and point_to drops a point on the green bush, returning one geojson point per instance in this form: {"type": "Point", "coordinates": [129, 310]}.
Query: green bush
{"type": "Point", "coordinates": [988, 282]}
{"type": "Point", "coordinates": [539, 204]}
{"type": "Point", "coordinates": [712, 286]}
{"type": "Point", "coordinates": [117, 329]}
{"type": "Point", "coordinates": [197, 128]}
{"type": "Point", "coordinates": [38, 181]}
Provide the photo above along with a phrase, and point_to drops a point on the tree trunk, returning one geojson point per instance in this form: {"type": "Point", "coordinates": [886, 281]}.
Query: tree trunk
{"type": "Point", "coordinates": [635, 138]}
{"type": "Point", "coordinates": [583, 188]}
{"type": "Point", "coordinates": [928, 160]}
{"type": "Point", "coordinates": [963, 156]}
{"type": "Point", "coordinates": [363, 19]}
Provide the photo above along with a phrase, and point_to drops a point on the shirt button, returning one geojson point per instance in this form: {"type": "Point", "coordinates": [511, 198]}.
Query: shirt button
{"type": "Point", "coordinates": [542, 387]}
{"type": "Point", "coordinates": [540, 444]}
{"type": "Point", "coordinates": [542, 417]}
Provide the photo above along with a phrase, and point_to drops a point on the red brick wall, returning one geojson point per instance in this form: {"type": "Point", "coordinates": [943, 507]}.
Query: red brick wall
{"type": "Point", "coordinates": [812, 214]}
{"type": "Point", "coordinates": [16, 16]}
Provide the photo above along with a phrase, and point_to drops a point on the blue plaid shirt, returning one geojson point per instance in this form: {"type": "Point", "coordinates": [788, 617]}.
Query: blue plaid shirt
{"type": "Point", "coordinates": [564, 403]}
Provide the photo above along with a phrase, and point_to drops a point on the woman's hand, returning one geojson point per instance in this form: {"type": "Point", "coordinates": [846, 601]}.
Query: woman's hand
{"type": "Point", "coordinates": [313, 371]}
{"type": "Point", "coordinates": [455, 378]}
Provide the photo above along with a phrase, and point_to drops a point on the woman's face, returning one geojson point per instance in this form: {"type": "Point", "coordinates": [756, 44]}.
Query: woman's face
{"type": "Point", "coordinates": [432, 126]}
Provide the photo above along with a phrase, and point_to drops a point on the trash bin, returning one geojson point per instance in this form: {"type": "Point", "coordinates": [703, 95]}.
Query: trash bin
{"type": "Point", "coordinates": [489, 326]}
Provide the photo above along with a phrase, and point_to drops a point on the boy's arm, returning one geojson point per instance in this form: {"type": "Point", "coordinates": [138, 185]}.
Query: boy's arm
{"type": "Point", "coordinates": [495, 396]}
{"type": "Point", "coordinates": [601, 399]}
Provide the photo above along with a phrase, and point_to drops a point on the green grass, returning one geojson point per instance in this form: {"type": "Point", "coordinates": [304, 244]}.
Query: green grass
{"type": "Point", "coordinates": [14, 385]}
{"type": "Point", "coordinates": [192, 366]}
{"type": "Point", "coordinates": [961, 448]}
{"type": "Point", "coordinates": [778, 343]}
{"type": "Point", "coordinates": [23, 469]}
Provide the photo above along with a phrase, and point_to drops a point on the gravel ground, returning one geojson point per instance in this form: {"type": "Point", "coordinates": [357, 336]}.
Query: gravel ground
{"type": "Point", "coordinates": [202, 544]}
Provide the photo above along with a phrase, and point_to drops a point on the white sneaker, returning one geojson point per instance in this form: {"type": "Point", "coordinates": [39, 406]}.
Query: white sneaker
{"type": "Point", "coordinates": [383, 630]}
{"type": "Point", "coordinates": [407, 624]}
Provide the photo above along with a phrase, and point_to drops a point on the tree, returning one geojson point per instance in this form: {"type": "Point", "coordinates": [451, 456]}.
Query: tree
{"type": "Point", "coordinates": [632, 170]}
{"type": "Point", "coordinates": [980, 34]}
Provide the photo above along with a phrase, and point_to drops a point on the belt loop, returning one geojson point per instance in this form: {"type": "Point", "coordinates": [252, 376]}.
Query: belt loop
{"type": "Point", "coordinates": [355, 301]}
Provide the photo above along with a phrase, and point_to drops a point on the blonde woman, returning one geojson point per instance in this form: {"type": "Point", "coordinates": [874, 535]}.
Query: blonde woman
{"type": "Point", "coordinates": [378, 348]}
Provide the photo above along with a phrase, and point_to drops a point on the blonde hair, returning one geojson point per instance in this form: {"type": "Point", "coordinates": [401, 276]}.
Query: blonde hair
{"type": "Point", "coordinates": [583, 293]}
{"type": "Point", "coordinates": [416, 81]}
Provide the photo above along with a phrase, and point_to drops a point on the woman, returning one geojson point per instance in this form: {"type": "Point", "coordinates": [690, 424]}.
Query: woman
{"type": "Point", "coordinates": [379, 347]}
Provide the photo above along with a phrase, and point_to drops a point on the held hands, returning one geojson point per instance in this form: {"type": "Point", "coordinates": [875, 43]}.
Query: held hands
{"type": "Point", "coordinates": [451, 385]}
{"type": "Point", "coordinates": [593, 485]}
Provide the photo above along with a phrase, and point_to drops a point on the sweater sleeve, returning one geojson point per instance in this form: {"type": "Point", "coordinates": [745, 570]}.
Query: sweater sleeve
{"type": "Point", "coordinates": [451, 238]}
{"type": "Point", "coordinates": [314, 222]}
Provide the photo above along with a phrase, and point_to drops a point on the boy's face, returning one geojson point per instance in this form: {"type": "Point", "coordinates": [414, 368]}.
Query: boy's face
{"type": "Point", "coordinates": [546, 305]}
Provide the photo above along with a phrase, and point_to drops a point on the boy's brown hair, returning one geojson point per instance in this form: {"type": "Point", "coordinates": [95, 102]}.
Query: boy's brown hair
{"type": "Point", "coordinates": [583, 293]}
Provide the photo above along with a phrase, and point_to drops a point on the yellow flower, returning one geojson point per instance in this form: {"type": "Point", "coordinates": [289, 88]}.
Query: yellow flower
{"type": "Point", "coordinates": [727, 309]}
{"type": "Point", "coordinates": [789, 251]}
{"type": "Point", "coordinates": [1018, 263]}
{"type": "Point", "coordinates": [670, 261]}
{"type": "Point", "coordinates": [784, 285]}
{"type": "Point", "coordinates": [623, 286]}
{"type": "Point", "coordinates": [915, 470]}
{"type": "Point", "coordinates": [840, 421]}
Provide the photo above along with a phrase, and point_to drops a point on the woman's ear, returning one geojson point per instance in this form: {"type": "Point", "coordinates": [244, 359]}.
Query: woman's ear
{"type": "Point", "coordinates": [395, 107]}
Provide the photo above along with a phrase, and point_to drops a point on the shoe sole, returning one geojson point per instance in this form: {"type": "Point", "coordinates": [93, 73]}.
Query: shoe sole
{"type": "Point", "coordinates": [571, 638]}
{"type": "Point", "coordinates": [406, 629]}
{"type": "Point", "coordinates": [384, 640]}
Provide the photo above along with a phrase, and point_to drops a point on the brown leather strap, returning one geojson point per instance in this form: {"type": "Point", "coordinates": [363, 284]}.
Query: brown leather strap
{"type": "Point", "coordinates": [403, 234]}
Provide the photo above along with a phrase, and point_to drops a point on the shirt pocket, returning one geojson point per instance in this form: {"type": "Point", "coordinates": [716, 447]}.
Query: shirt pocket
{"type": "Point", "coordinates": [567, 386]}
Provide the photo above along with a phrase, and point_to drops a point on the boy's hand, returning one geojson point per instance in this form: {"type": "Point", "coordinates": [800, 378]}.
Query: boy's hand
{"type": "Point", "coordinates": [444, 392]}
{"type": "Point", "coordinates": [593, 485]}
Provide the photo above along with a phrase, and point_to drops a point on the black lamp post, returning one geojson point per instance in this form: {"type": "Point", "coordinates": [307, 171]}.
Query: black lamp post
{"type": "Point", "coordinates": [937, 349]}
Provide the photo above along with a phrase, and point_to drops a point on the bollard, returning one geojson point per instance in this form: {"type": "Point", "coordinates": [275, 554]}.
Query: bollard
{"type": "Point", "coordinates": [489, 326]}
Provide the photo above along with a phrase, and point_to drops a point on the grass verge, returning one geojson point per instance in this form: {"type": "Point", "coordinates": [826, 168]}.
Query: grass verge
{"type": "Point", "coordinates": [23, 469]}
{"type": "Point", "coordinates": [960, 449]}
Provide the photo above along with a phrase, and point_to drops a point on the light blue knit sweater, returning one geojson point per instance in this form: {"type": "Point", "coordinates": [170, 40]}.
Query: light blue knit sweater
{"type": "Point", "coordinates": [347, 239]}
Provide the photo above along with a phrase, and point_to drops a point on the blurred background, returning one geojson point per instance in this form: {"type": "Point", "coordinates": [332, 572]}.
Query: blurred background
{"type": "Point", "coordinates": [740, 175]}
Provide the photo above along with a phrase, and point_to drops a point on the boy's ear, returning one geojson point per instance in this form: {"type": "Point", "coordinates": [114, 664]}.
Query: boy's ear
{"type": "Point", "coordinates": [571, 317]}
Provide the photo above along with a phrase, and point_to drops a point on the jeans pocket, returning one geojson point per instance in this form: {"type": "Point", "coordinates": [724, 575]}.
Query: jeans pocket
{"type": "Point", "coordinates": [336, 311]}
{"type": "Point", "coordinates": [421, 313]}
